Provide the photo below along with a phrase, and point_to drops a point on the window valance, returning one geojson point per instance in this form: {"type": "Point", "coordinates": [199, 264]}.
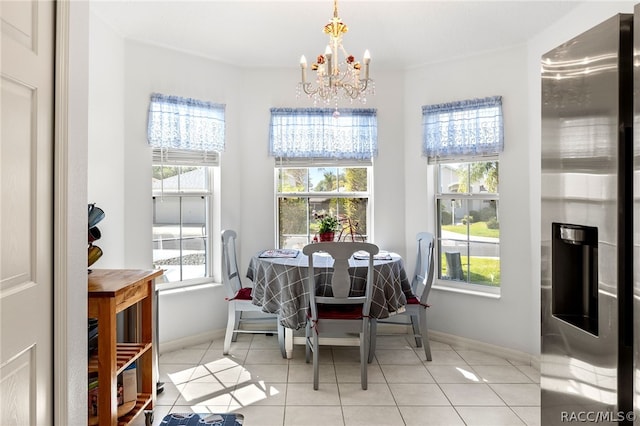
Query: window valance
{"type": "Point", "coordinates": [465, 128]}
{"type": "Point", "coordinates": [322, 134]}
{"type": "Point", "coordinates": [184, 123]}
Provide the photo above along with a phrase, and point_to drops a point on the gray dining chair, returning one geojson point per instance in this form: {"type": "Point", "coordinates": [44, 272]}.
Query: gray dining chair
{"type": "Point", "coordinates": [240, 299]}
{"type": "Point", "coordinates": [416, 308]}
{"type": "Point", "coordinates": [339, 312]}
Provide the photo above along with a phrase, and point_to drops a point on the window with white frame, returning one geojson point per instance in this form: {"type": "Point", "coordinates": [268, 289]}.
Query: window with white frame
{"type": "Point", "coordinates": [462, 141]}
{"type": "Point", "coordinates": [186, 136]}
{"type": "Point", "coordinates": [323, 168]}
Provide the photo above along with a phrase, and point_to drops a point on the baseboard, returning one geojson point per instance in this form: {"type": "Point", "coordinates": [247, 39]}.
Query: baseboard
{"type": "Point", "coordinates": [458, 342]}
{"type": "Point", "coordinates": [185, 342]}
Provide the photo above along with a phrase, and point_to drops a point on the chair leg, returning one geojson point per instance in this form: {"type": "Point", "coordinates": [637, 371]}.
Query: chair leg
{"type": "Point", "coordinates": [364, 353]}
{"type": "Point", "coordinates": [316, 360]}
{"type": "Point", "coordinates": [231, 321]}
{"type": "Point", "coordinates": [307, 344]}
{"type": "Point", "coordinates": [416, 330]}
{"type": "Point", "coordinates": [425, 336]}
{"type": "Point", "coordinates": [236, 325]}
{"type": "Point", "coordinates": [373, 328]}
{"type": "Point", "coordinates": [283, 350]}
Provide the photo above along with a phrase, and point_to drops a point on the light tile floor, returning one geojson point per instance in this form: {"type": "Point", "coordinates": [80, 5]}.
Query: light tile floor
{"type": "Point", "coordinates": [459, 387]}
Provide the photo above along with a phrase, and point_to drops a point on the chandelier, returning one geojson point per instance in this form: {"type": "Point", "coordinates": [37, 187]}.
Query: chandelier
{"type": "Point", "coordinates": [337, 74]}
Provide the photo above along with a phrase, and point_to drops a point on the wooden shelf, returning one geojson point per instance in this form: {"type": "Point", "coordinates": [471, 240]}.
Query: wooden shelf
{"type": "Point", "coordinates": [142, 403]}
{"type": "Point", "coordinates": [111, 291]}
{"type": "Point", "coordinates": [126, 353]}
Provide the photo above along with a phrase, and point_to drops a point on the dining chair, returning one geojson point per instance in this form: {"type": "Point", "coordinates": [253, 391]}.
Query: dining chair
{"type": "Point", "coordinates": [240, 298]}
{"type": "Point", "coordinates": [338, 312]}
{"type": "Point", "coordinates": [416, 307]}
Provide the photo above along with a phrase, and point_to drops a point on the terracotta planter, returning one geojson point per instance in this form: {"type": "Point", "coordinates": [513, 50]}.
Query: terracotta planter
{"type": "Point", "coordinates": [327, 236]}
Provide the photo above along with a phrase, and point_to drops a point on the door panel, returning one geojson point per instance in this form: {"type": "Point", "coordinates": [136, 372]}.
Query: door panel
{"type": "Point", "coordinates": [26, 212]}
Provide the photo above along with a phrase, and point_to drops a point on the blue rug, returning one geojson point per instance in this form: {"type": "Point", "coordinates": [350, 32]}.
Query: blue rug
{"type": "Point", "coordinates": [195, 419]}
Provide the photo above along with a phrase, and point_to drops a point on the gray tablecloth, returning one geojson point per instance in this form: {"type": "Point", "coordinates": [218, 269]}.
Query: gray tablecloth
{"type": "Point", "coordinates": [278, 285]}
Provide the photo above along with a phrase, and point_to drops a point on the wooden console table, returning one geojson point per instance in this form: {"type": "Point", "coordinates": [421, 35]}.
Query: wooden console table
{"type": "Point", "coordinates": [112, 291]}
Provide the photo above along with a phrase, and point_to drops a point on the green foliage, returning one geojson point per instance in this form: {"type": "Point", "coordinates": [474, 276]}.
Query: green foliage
{"type": "Point", "coordinates": [293, 180]}
{"type": "Point", "coordinates": [493, 223]}
{"type": "Point", "coordinates": [293, 216]}
{"type": "Point", "coordinates": [478, 229]}
{"type": "Point", "coordinates": [467, 219]}
{"type": "Point", "coordinates": [487, 213]}
{"type": "Point", "coordinates": [482, 270]}
{"type": "Point", "coordinates": [445, 218]}
{"type": "Point", "coordinates": [327, 224]}
{"type": "Point", "coordinates": [163, 172]}
{"type": "Point", "coordinates": [328, 183]}
{"type": "Point", "coordinates": [478, 172]}
{"type": "Point", "coordinates": [355, 179]}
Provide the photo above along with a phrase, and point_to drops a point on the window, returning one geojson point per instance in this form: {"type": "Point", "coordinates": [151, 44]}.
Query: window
{"type": "Point", "coordinates": [186, 136]}
{"type": "Point", "coordinates": [324, 167]}
{"type": "Point", "coordinates": [468, 226]}
{"type": "Point", "coordinates": [181, 211]}
{"type": "Point", "coordinates": [306, 193]}
{"type": "Point", "coordinates": [462, 140]}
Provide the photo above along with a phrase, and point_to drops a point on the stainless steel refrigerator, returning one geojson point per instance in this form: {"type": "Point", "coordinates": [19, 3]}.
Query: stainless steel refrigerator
{"type": "Point", "coordinates": [587, 237]}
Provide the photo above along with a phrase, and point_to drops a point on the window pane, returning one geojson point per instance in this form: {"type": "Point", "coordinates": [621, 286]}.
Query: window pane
{"type": "Point", "coordinates": [180, 240]}
{"type": "Point", "coordinates": [449, 178]}
{"type": "Point", "coordinates": [193, 178]}
{"type": "Point", "coordinates": [453, 262]}
{"type": "Point", "coordinates": [482, 177]}
{"type": "Point", "coordinates": [179, 178]}
{"type": "Point", "coordinates": [323, 179]}
{"type": "Point", "coordinates": [484, 263]}
{"type": "Point", "coordinates": [194, 237]}
{"type": "Point", "coordinates": [475, 177]}
{"type": "Point", "coordinates": [298, 212]}
{"type": "Point", "coordinates": [469, 234]}
{"type": "Point", "coordinates": [353, 179]}
{"type": "Point", "coordinates": [352, 214]}
{"type": "Point", "coordinates": [293, 222]}
{"type": "Point", "coordinates": [454, 215]}
{"type": "Point", "coordinates": [293, 180]}
{"type": "Point", "coordinates": [166, 236]}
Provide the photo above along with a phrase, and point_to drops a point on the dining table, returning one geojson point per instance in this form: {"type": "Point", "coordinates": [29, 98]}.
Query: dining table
{"type": "Point", "coordinates": [279, 276]}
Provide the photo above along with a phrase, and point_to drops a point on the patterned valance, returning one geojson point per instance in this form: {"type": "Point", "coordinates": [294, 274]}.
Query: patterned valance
{"type": "Point", "coordinates": [461, 129]}
{"type": "Point", "coordinates": [323, 134]}
{"type": "Point", "coordinates": [185, 123]}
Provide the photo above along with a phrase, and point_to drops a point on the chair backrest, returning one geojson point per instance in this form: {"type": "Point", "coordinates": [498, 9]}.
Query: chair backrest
{"type": "Point", "coordinates": [230, 275]}
{"type": "Point", "coordinates": [340, 279]}
{"type": "Point", "coordinates": [425, 266]}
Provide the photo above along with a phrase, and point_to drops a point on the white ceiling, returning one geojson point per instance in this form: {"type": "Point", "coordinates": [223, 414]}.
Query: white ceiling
{"type": "Point", "coordinates": [399, 34]}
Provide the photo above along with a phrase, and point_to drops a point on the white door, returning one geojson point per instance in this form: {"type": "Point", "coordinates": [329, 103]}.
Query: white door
{"type": "Point", "coordinates": [26, 211]}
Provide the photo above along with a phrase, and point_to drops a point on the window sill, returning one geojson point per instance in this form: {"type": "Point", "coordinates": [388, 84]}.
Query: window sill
{"type": "Point", "coordinates": [165, 288]}
{"type": "Point", "coordinates": [468, 289]}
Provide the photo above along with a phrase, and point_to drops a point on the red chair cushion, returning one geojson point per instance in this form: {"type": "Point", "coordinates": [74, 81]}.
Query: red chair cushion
{"type": "Point", "coordinates": [415, 301]}
{"type": "Point", "coordinates": [340, 311]}
{"type": "Point", "coordinates": [243, 294]}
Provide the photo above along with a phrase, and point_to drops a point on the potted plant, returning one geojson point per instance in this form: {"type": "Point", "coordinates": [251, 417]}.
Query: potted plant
{"type": "Point", "coordinates": [327, 227]}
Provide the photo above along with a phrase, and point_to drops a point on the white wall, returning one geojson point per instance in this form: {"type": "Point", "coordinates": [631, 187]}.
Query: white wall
{"type": "Point", "coordinates": [106, 177]}
{"type": "Point", "coordinates": [509, 320]}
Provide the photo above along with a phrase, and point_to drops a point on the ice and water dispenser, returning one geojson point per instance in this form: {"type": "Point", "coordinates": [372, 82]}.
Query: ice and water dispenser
{"type": "Point", "coordinates": [574, 275]}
